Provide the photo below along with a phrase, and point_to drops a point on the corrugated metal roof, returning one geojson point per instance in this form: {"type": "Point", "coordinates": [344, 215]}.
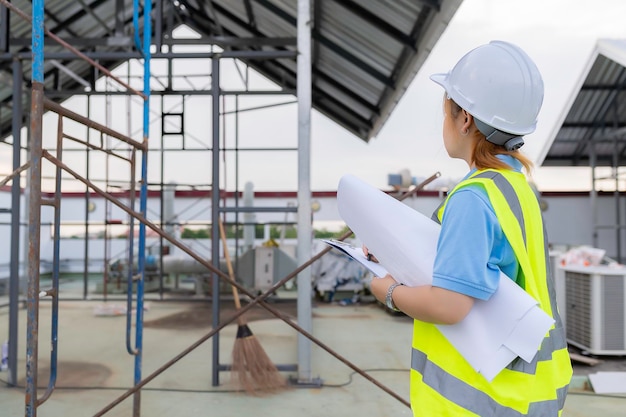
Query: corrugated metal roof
{"type": "Point", "coordinates": [594, 121]}
{"type": "Point", "coordinates": [364, 53]}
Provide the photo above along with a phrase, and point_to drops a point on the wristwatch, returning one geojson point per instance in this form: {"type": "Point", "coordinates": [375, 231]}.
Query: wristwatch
{"type": "Point", "coordinates": [388, 298]}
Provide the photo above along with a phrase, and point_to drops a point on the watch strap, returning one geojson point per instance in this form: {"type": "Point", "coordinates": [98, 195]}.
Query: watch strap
{"type": "Point", "coordinates": [389, 297]}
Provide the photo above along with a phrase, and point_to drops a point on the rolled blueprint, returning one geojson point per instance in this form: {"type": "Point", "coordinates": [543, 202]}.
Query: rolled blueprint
{"type": "Point", "coordinates": [496, 331]}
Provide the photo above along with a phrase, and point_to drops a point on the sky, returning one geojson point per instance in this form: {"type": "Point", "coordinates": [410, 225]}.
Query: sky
{"type": "Point", "coordinates": [558, 34]}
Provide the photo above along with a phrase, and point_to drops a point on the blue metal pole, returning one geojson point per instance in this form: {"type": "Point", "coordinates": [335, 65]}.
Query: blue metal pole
{"type": "Point", "coordinates": [37, 41]}
{"type": "Point", "coordinates": [34, 218]}
{"type": "Point", "coordinates": [141, 255]}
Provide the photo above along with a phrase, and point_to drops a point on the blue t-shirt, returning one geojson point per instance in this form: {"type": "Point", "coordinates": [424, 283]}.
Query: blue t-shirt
{"type": "Point", "coordinates": [472, 248]}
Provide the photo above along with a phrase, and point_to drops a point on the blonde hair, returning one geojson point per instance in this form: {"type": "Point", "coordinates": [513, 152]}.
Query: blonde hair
{"type": "Point", "coordinates": [484, 153]}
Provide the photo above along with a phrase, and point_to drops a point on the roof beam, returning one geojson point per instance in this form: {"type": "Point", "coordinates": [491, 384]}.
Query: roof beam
{"type": "Point", "coordinates": [342, 89]}
{"type": "Point", "coordinates": [65, 93]}
{"type": "Point", "coordinates": [379, 23]}
{"type": "Point", "coordinates": [123, 55]}
{"type": "Point", "coordinates": [604, 109]}
{"type": "Point", "coordinates": [598, 141]}
{"type": "Point", "coordinates": [580, 160]}
{"type": "Point", "coordinates": [292, 20]}
{"type": "Point", "coordinates": [353, 122]}
{"type": "Point", "coordinates": [75, 17]}
{"type": "Point", "coordinates": [592, 125]}
{"type": "Point", "coordinates": [350, 57]}
{"type": "Point", "coordinates": [210, 21]}
{"type": "Point", "coordinates": [96, 17]}
{"type": "Point", "coordinates": [315, 47]}
{"type": "Point", "coordinates": [433, 4]}
{"type": "Point", "coordinates": [234, 41]}
{"type": "Point", "coordinates": [599, 87]}
{"type": "Point", "coordinates": [80, 42]}
{"type": "Point", "coordinates": [316, 35]}
{"type": "Point", "coordinates": [209, 8]}
{"type": "Point", "coordinates": [250, 14]}
{"type": "Point", "coordinates": [119, 17]}
{"type": "Point", "coordinates": [61, 26]}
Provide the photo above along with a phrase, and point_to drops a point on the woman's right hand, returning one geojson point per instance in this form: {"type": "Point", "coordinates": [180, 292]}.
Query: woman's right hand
{"type": "Point", "coordinates": [368, 254]}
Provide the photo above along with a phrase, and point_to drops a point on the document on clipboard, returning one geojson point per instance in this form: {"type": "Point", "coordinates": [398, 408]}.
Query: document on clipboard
{"type": "Point", "coordinates": [358, 255]}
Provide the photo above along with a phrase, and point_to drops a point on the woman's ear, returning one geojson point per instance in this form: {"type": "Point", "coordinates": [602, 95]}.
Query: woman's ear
{"type": "Point", "coordinates": [468, 120]}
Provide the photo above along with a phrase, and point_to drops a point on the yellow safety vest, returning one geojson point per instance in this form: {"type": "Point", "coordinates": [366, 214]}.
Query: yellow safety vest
{"type": "Point", "coordinates": [442, 381]}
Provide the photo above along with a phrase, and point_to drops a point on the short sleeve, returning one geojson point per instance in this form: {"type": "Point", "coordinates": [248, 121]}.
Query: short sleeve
{"type": "Point", "coordinates": [472, 248]}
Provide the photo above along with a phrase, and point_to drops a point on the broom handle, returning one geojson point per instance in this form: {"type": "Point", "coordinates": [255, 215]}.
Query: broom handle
{"type": "Point", "coordinates": [228, 263]}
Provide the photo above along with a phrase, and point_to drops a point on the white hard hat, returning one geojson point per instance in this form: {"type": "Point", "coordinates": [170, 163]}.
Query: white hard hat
{"type": "Point", "coordinates": [500, 86]}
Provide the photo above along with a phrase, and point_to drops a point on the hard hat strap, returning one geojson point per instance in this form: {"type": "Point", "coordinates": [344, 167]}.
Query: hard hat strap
{"type": "Point", "coordinates": [510, 141]}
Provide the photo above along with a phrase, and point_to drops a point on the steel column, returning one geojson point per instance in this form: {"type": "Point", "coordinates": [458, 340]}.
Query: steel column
{"type": "Point", "coordinates": [305, 227]}
{"type": "Point", "coordinates": [14, 280]}
{"type": "Point", "coordinates": [215, 213]}
{"type": "Point", "coordinates": [34, 217]}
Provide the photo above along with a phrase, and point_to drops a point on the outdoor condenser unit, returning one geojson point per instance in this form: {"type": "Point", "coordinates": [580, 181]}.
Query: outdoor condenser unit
{"type": "Point", "coordinates": [261, 267]}
{"type": "Point", "coordinates": [594, 309]}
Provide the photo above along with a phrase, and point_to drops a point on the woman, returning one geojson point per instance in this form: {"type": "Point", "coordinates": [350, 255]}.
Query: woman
{"type": "Point", "coordinates": [490, 222]}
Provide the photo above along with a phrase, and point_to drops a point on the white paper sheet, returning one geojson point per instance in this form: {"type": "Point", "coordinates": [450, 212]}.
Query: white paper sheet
{"type": "Point", "coordinates": [357, 254]}
{"type": "Point", "coordinates": [608, 382]}
{"type": "Point", "coordinates": [495, 332]}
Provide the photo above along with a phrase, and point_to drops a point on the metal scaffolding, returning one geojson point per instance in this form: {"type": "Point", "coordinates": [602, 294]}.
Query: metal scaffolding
{"type": "Point", "coordinates": [147, 49]}
{"type": "Point", "coordinates": [41, 103]}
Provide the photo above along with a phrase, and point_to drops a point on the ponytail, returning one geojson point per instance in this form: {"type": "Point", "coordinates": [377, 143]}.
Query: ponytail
{"type": "Point", "coordinates": [485, 152]}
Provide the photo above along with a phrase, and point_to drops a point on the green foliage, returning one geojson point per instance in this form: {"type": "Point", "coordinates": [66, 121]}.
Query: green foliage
{"type": "Point", "coordinates": [275, 231]}
{"type": "Point", "coordinates": [196, 233]}
{"type": "Point", "coordinates": [259, 232]}
{"type": "Point", "coordinates": [326, 234]}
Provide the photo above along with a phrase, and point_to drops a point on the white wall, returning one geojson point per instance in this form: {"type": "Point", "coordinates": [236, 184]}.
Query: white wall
{"type": "Point", "coordinates": [568, 221]}
{"type": "Point", "coordinates": [5, 234]}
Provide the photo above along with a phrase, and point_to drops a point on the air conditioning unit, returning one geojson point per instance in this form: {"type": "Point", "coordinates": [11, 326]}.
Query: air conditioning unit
{"type": "Point", "coordinates": [261, 267]}
{"type": "Point", "coordinates": [594, 308]}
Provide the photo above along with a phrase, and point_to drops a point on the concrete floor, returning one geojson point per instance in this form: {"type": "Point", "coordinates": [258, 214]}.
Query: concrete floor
{"type": "Point", "coordinates": [95, 370]}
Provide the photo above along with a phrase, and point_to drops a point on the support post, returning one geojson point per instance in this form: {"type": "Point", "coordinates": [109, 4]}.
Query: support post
{"type": "Point", "coordinates": [143, 204]}
{"type": "Point", "coordinates": [14, 280]}
{"type": "Point", "coordinates": [215, 213]}
{"type": "Point", "coordinates": [304, 187]}
{"type": "Point", "coordinates": [34, 216]}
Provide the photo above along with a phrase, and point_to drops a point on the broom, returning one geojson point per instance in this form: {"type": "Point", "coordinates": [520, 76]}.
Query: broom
{"type": "Point", "coordinates": [251, 368]}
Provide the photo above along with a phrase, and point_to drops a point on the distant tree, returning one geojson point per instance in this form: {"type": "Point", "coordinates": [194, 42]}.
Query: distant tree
{"type": "Point", "coordinates": [325, 234]}
{"type": "Point", "coordinates": [195, 233]}
{"type": "Point", "coordinates": [291, 232]}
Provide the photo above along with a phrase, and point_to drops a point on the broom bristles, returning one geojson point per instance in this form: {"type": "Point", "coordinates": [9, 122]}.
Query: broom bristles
{"type": "Point", "coordinates": [252, 369]}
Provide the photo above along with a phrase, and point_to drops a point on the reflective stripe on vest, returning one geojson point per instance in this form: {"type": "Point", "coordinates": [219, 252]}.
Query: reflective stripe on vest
{"type": "Point", "coordinates": [443, 382]}
{"type": "Point", "coordinates": [476, 401]}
